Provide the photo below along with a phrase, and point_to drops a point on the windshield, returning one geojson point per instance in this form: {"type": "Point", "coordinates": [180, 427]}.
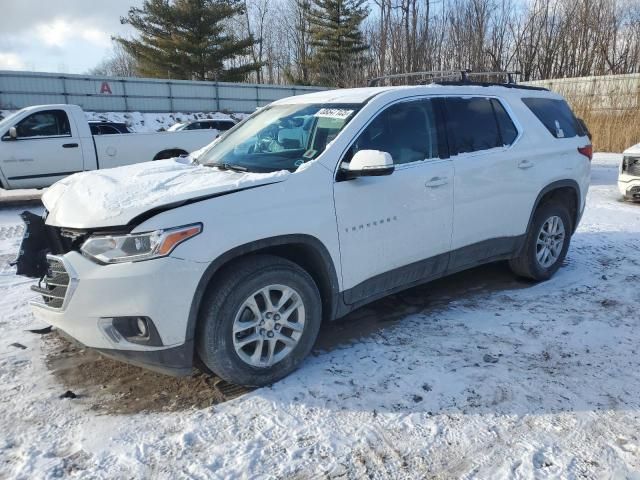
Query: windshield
{"type": "Point", "coordinates": [8, 121]}
{"type": "Point", "coordinates": [280, 137]}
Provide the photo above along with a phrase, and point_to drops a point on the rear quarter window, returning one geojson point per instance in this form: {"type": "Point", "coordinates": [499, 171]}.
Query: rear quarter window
{"type": "Point", "coordinates": [556, 116]}
{"type": "Point", "coordinates": [508, 131]}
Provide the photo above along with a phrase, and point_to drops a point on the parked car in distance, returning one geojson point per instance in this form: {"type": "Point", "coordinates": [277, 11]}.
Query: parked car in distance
{"type": "Point", "coordinates": [629, 177]}
{"type": "Point", "coordinates": [99, 127]}
{"type": "Point", "coordinates": [312, 207]}
{"type": "Point", "coordinates": [222, 125]}
{"type": "Point", "coordinates": [42, 144]}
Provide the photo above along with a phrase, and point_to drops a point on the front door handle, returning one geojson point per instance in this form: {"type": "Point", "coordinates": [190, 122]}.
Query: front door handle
{"type": "Point", "coordinates": [524, 164]}
{"type": "Point", "coordinates": [436, 182]}
{"type": "Point", "coordinates": [69, 145]}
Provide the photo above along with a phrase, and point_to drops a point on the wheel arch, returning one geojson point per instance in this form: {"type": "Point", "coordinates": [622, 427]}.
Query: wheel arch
{"type": "Point", "coordinates": [179, 151]}
{"type": "Point", "coordinates": [564, 190]}
{"type": "Point", "coordinates": [305, 250]}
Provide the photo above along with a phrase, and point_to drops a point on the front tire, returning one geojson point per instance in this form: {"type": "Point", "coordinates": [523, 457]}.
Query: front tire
{"type": "Point", "coordinates": [546, 244]}
{"type": "Point", "coordinates": [259, 321]}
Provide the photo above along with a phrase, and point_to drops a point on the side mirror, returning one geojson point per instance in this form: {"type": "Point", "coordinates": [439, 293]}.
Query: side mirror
{"type": "Point", "coordinates": [13, 133]}
{"type": "Point", "coordinates": [368, 163]}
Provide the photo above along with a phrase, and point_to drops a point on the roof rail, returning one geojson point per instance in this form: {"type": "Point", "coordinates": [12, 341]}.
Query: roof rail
{"type": "Point", "coordinates": [435, 74]}
{"type": "Point", "coordinates": [461, 76]}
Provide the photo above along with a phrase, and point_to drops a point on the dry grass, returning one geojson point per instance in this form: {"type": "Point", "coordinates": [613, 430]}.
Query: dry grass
{"type": "Point", "coordinates": [612, 130]}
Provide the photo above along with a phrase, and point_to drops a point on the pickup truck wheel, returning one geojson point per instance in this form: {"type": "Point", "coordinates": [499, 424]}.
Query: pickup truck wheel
{"type": "Point", "coordinates": [259, 321]}
{"type": "Point", "coordinates": [546, 244]}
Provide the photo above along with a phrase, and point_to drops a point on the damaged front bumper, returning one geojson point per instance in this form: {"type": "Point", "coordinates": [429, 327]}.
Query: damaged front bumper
{"type": "Point", "coordinates": [630, 189]}
{"type": "Point", "coordinates": [134, 312]}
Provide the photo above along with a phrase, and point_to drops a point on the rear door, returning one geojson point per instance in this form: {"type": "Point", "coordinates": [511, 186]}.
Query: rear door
{"type": "Point", "coordinates": [44, 152]}
{"type": "Point", "coordinates": [396, 230]}
{"type": "Point", "coordinates": [490, 202]}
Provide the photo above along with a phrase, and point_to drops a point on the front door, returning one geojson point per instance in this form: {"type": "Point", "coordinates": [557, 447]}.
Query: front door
{"type": "Point", "coordinates": [396, 230]}
{"type": "Point", "coordinates": [44, 151]}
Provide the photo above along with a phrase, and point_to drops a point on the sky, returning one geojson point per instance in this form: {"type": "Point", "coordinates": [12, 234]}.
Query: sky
{"type": "Point", "coordinates": [65, 36]}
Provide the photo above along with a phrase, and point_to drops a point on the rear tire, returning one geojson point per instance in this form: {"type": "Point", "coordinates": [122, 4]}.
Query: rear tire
{"type": "Point", "coordinates": [259, 321]}
{"type": "Point", "coordinates": [546, 244]}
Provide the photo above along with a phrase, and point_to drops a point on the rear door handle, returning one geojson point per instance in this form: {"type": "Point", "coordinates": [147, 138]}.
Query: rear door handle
{"type": "Point", "coordinates": [69, 145]}
{"type": "Point", "coordinates": [436, 182]}
{"type": "Point", "coordinates": [524, 164]}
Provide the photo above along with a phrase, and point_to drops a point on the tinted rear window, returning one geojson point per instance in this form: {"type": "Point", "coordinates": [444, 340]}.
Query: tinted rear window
{"type": "Point", "coordinates": [556, 116]}
{"type": "Point", "coordinates": [471, 124]}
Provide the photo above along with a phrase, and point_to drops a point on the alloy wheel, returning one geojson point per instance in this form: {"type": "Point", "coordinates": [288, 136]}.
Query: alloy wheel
{"type": "Point", "coordinates": [268, 325]}
{"type": "Point", "coordinates": [550, 241]}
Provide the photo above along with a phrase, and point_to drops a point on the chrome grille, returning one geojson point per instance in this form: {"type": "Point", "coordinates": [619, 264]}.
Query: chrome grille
{"type": "Point", "coordinates": [54, 285]}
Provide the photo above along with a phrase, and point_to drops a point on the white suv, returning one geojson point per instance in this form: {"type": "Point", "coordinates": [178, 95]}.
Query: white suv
{"type": "Point", "coordinates": [629, 177]}
{"type": "Point", "coordinates": [305, 211]}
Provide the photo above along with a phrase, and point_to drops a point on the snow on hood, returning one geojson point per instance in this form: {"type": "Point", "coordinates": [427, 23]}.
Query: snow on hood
{"type": "Point", "coordinates": [634, 150]}
{"type": "Point", "coordinates": [113, 197]}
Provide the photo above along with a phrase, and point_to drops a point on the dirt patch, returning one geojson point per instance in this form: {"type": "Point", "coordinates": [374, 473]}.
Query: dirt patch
{"type": "Point", "coordinates": [109, 386]}
{"type": "Point", "coordinates": [430, 297]}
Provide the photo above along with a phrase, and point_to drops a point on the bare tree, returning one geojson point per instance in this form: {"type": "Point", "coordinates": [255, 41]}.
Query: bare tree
{"type": "Point", "coordinates": [118, 64]}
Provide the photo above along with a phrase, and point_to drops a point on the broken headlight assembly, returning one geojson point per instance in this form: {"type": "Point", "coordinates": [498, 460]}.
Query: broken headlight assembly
{"type": "Point", "coordinates": [136, 247]}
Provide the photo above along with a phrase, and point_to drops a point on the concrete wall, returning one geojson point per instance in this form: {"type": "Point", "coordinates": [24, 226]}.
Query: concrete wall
{"type": "Point", "coordinates": [606, 92]}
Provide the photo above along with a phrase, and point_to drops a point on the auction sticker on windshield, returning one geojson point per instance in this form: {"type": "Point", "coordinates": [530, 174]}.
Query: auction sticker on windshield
{"type": "Point", "coordinates": [333, 113]}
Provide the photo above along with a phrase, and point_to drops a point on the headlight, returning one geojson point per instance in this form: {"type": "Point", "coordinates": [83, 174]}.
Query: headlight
{"type": "Point", "coordinates": [137, 246]}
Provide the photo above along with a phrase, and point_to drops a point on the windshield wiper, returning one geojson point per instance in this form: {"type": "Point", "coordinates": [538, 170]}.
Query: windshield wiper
{"type": "Point", "coordinates": [231, 166]}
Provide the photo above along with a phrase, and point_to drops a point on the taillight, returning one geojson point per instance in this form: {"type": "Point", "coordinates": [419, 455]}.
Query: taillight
{"type": "Point", "coordinates": [587, 151]}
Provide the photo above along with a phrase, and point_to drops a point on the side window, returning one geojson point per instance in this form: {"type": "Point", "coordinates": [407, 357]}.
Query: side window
{"type": "Point", "coordinates": [556, 116]}
{"type": "Point", "coordinates": [223, 126]}
{"type": "Point", "coordinates": [108, 130]}
{"type": "Point", "coordinates": [47, 123]}
{"type": "Point", "coordinates": [405, 130]}
{"type": "Point", "coordinates": [508, 131]}
{"type": "Point", "coordinates": [95, 129]}
{"type": "Point", "coordinates": [193, 126]}
{"type": "Point", "coordinates": [471, 125]}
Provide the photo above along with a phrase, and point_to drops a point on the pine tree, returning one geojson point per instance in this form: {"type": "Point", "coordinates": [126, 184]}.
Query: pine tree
{"type": "Point", "coordinates": [187, 39]}
{"type": "Point", "coordinates": [334, 28]}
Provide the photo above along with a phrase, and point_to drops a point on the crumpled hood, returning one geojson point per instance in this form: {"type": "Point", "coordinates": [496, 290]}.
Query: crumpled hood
{"type": "Point", "coordinates": [113, 197]}
{"type": "Point", "coordinates": [634, 150]}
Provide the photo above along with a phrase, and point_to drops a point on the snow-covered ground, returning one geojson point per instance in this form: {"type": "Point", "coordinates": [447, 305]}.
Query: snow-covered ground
{"type": "Point", "coordinates": [150, 122]}
{"type": "Point", "coordinates": [476, 376]}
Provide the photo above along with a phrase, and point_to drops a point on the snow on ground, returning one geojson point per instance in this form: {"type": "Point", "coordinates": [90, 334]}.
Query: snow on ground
{"type": "Point", "coordinates": [475, 380]}
{"type": "Point", "coordinates": [150, 122]}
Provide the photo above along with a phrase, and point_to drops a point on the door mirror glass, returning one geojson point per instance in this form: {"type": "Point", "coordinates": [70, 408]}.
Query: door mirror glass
{"type": "Point", "coordinates": [369, 163]}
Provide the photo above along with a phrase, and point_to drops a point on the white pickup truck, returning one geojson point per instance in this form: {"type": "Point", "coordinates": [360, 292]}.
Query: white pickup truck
{"type": "Point", "coordinates": [42, 144]}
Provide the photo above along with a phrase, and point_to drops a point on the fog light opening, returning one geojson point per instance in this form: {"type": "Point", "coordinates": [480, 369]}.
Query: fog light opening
{"type": "Point", "coordinates": [140, 330]}
{"type": "Point", "coordinates": [143, 329]}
